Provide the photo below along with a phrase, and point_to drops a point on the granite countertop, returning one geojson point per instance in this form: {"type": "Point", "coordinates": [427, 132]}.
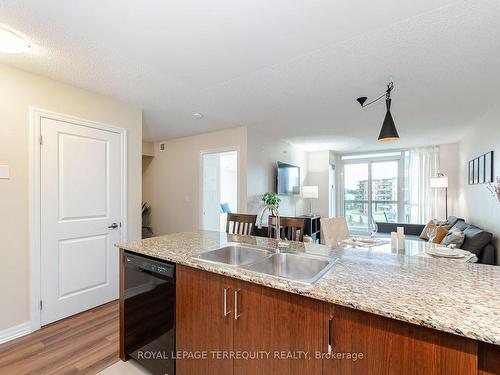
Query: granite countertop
{"type": "Point", "coordinates": [461, 298]}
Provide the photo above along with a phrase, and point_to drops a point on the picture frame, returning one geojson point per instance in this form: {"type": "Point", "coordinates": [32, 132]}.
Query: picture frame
{"type": "Point", "coordinates": [481, 169]}
{"type": "Point", "coordinates": [471, 172]}
{"type": "Point", "coordinates": [488, 167]}
{"type": "Point", "coordinates": [476, 171]}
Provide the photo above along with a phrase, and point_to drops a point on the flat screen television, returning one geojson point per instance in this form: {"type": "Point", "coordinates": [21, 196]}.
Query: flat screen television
{"type": "Point", "coordinates": [287, 179]}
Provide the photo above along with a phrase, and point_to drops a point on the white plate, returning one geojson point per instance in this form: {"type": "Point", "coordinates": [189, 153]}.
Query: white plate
{"type": "Point", "coordinates": [448, 253]}
{"type": "Point", "coordinates": [367, 239]}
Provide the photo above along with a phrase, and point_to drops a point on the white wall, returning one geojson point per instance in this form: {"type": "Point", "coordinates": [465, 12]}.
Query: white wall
{"type": "Point", "coordinates": [148, 149]}
{"type": "Point", "coordinates": [450, 165]}
{"type": "Point", "coordinates": [171, 181]}
{"type": "Point", "coordinates": [318, 173]}
{"type": "Point", "coordinates": [18, 91]}
{"type": "Point", "coordinates": [263, 154]}
{"type": "Point", "coordinates": [475, 202]}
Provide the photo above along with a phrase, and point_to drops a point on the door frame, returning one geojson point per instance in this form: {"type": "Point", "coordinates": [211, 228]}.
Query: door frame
{"type": "Point", "coordinates": [35, 117]}
{"type": "Point", "coordinates": [200, 177]}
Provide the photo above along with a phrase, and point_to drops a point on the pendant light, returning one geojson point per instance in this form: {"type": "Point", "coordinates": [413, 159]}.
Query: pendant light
{"type": "Point", "coordinates": [388, 132]}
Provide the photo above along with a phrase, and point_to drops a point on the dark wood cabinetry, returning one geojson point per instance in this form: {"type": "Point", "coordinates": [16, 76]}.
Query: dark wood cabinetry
{"type": "Point", "coordinates": [389, 346]}
{"type": "Point", "coordinates": [269, 324]}
{"type": "Point", "coordinates": [218, 318]}
{"type": "Point", "coordinates": [280, 324]}
{"type": "Point", "coordinates": [201, 326]}
{"type": "Point", "coordinates": [489, 359]}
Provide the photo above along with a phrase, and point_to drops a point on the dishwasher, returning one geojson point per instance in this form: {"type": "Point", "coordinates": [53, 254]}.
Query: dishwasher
{"type": "Point", "coordinates": [149, 312]}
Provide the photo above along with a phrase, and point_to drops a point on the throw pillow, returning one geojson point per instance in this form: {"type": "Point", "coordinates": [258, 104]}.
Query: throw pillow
{"type": "Point", "coordinates": [431, 224]}
{"type": "Point", "coordinates": [424, 235]}
{"type": "Point", "coordinates": [441, 232]}
{"type": "Point", "coordinates": [456, 237]}
{"type": "Point", "coordinates": [476, 239]}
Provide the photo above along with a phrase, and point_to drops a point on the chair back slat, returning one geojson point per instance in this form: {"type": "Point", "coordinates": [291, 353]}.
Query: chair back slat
{"type": "Point", "coordinates": [241, 224]}
{"type": "Point", "coordinates": [291, 228]}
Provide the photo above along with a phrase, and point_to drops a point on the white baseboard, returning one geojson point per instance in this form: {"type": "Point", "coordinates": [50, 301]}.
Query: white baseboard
{"type": "Point", "coordinates": [15, 332]}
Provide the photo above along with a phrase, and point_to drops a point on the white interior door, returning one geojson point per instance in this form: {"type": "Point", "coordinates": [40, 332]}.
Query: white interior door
{"type": "Point", "coordinates": [80, 202]}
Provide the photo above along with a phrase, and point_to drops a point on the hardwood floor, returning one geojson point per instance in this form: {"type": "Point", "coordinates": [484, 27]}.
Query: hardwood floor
{"type": "Point", "coordinates": [82, 344]}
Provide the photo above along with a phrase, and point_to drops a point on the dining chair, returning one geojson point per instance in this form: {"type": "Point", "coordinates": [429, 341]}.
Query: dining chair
{"type": "Point", "coordinates": [334, 230]}
{"type": "Point", "coordinates": [291, 228]}
{"type": "Point", "coordinates": [224, 207]}
{"type": "Point", "coordinates": [241, 224]}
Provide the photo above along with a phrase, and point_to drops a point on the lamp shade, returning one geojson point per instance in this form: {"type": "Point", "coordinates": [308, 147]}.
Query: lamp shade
{"type": "Point", "coordinates": [310, 192]}
{"type": "Point", "coordinates": [388, 132]}
{"type": "Point", "coordinates": [439, 182]}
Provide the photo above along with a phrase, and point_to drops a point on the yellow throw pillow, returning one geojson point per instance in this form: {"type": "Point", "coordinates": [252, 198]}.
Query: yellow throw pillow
{"type": "Point", "coordinates": [441, 233]}
{"type": "Point", "coordinates": [432, 224]}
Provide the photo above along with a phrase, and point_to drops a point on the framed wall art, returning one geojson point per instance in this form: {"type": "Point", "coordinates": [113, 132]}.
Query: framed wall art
{"type": "Point", "coordinates": [480, 169]}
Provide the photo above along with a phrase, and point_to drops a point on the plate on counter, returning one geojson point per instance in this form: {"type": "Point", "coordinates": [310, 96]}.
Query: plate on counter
{"type": "Point", "coordinates": [366, 239]}
{"type": "Point", "coordinates": [446, 252]}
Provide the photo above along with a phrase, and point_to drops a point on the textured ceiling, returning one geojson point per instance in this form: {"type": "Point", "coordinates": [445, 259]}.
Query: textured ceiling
{"type": "Point", "coordinates": [291, 69]}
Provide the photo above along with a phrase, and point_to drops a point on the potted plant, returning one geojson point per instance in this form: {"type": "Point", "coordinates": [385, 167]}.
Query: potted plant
{"type": "Point", "coordinates": [271, 198]}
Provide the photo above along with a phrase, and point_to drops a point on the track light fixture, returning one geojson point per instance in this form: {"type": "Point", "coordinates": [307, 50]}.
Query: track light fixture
{"type": "Point", "coordinates": [388, 132]}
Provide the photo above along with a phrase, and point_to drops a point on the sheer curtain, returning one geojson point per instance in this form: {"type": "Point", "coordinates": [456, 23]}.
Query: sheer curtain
{"type": "Point", "coordinates": [425, 203]}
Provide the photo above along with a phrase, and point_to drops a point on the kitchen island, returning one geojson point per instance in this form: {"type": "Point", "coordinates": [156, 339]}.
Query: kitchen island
{"type": "Point", "coordinates": [394, 313]}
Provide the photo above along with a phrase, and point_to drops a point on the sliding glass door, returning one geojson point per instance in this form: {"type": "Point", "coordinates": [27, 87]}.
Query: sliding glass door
{"type": "Point", "coordinates": [356, 200]}
{"type": "Point", "coordinates": [384, 191]}
{"type": "Point", "coordinates": [372, 192]}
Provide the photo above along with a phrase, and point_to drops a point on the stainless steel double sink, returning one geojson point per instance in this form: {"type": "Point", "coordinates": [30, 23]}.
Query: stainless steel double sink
{"type": "Point", "coordinates": [289, 265]}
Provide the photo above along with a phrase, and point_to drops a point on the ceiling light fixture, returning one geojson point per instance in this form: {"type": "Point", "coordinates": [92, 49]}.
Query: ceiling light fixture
{"type": "Point", "coordinates": [388, 132]}
{"type": "Point", "coordinates": [197, 115]}
{"type": "Point", "coordinates": [12, 42]}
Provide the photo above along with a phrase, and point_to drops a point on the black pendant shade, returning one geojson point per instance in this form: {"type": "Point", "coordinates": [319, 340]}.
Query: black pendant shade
{"type": "Point", "coordinates": [388, 132]}
{"type": "Point", "coordinates": [361, 100]}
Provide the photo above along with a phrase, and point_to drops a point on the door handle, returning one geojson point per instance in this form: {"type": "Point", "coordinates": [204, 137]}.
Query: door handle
{"type": "Point", "coordinates": [113, 226]}
{"type": "Point", "coordinates": [236, 314]}
{"type": "Point", "coordinates": [226, 312]}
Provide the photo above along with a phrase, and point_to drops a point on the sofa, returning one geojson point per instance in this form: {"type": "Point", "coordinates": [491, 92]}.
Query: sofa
{"type": "Point", "coordinates": [477, 240]}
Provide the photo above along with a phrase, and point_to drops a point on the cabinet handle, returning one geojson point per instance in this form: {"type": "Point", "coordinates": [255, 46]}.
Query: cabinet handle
{"type": "Point", "coordinates": [226, 312]}
{"type": "Point", "coordinates": [330, 338]}
{"type": "Point", "coordinates": [236, 314]}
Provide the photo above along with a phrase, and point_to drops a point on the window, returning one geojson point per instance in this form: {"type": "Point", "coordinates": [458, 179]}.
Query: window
{"type": "Point", "coordinates": [372, 189]}
{"type": "Point", "coordinates": [356, 195]}
{"type": "Point", "coordinates": [385, 192]}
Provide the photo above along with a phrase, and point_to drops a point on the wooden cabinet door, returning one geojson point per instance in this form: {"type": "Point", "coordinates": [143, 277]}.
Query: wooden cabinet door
{"type": "Point", "coordinates": [276, 324]}
{"type": "Point", "coordinates": [201, 325]}
{"type": "Point", "coordinates": [489, 359]}
{"type": "Point", "coordinates": [388, 346]}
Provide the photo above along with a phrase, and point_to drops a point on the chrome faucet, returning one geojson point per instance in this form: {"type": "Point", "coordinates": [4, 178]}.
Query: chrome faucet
{"type": "Point", "coordinates": [274, 211]}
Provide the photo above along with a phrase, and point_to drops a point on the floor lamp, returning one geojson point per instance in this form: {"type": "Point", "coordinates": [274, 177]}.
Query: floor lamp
{"type": "Point", "coordinates": [441, 182]}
